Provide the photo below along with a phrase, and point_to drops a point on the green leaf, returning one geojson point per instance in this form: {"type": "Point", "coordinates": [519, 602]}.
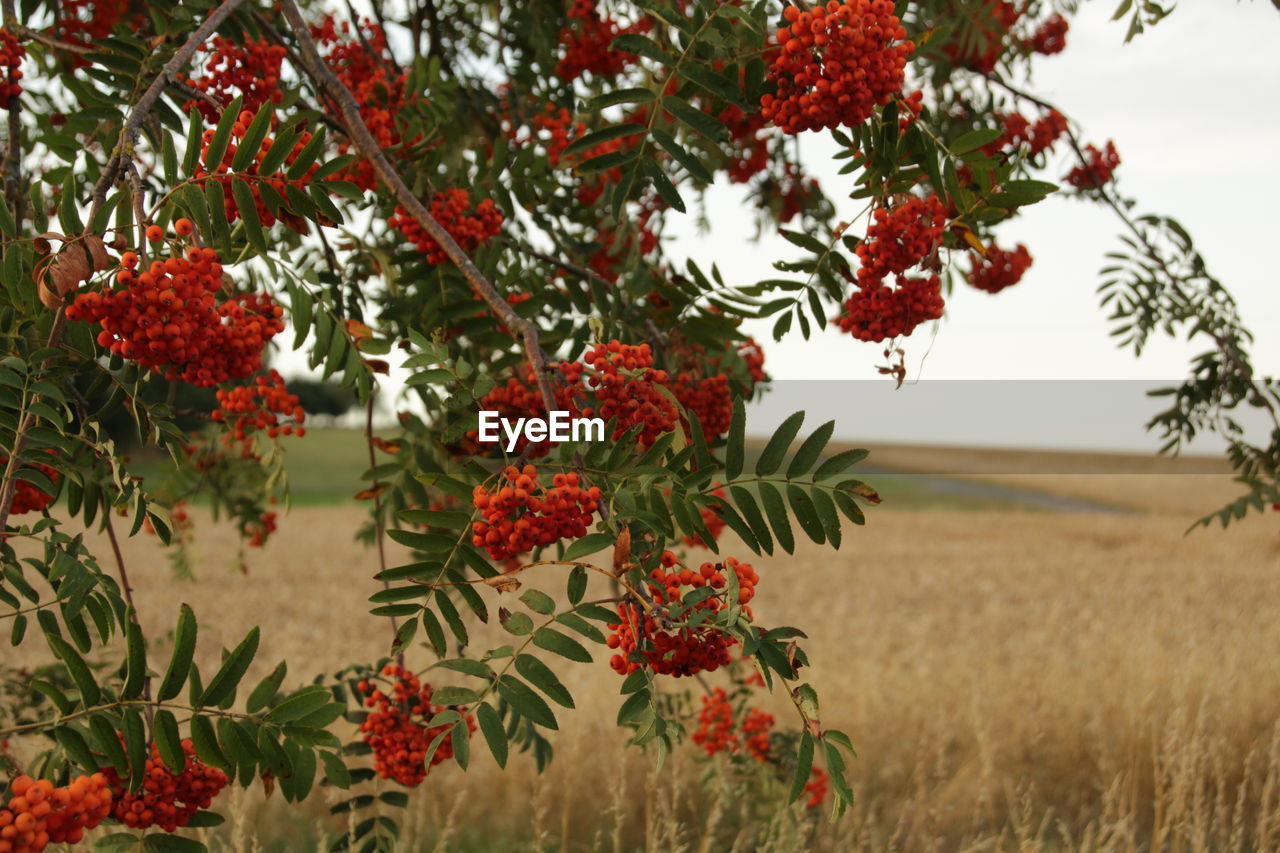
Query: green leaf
{"type": "Point", "coordinates": [588, 545]}
{"type": "Point", "coordinates": [717, 85]}
{"type": "Point", "coordinates": [153, 843]}
{"type": "Point", "coordinates": [804, 764]}
{"type": "Point", "coordinates": [494, 733]}
{"type": "Point", "coordinates": [136, 656]}
{"type": "Point", "coordinates": [225, 681]}
{"type": "Point", "coordinates": [248, 208]}
{"type": "Point", "coordinates": [663, 185]}
{"type": "Point", "coordinates": [527, 703]}
{"type": "Point", "coordinates": [806, 513]}
{"type": "Point", "coordinates": [604, 134]}
{"type": "Point", "coordinates": [168, 741]}
{"type": "Point", "coordinates": [701, 122]}
{"type": "Point", "coordinates": [307, 156]}
{"type": "Point", "coordinates": [681, 155]}
{"type": "Point", "coordinates": [538, 602]}
{"type": "Point", "coordinates": [74, 745]}
{"type": "Point", "coordinates": [206, 744]}
{"type": "Point", "coordinates": [561, 644]}
{"type": "Point", "coordinates": [217, 150]}
{"type": "Point", "coordinates": [135, 743]}
{"type": "Point", "coordinates": [642, 46]}
{"type": "Point", "coordinates": [300, 704]}
{"type": "Point", "coordinates": [77, 668]}
{"type": "Point", "coordinates": [777, 514]}
{"type": "Point", "coordinates": [839, 463]}
{"type": "Point", "coordinates": [771, 457]}
{"type": "Point", "coordinates": [751, 514]}
{"type": "Point", "coordinates": [108, 743]}
{"type": "Point", "coordinates": [975, 139]}
{"type": "Point", "coordinates": [735, 448]}
{"type": "Point", "coordinates": [250, 145]}
{"type": "Point", "coordinates": [335, 770]}
{"type": "Point", "coordinates": [635, 95]}
{"type": "Point", "coordinates": [237, 742]}
{"type": "Point", "coordinates": [540, 675]}
{"type": "Point", "coordinates": [195, 140]}
{"type": "Point", "coordinates": [266, 689]}
{"type": "Point", "coordinates": [810, 450]}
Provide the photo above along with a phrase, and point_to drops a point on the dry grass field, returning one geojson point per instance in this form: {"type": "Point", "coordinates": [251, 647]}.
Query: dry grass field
{"type": "Point", "coordinates": [1013, 680]}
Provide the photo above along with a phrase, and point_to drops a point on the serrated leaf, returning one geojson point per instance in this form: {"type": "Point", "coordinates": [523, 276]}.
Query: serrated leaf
{"type": "Point", "coordinates": [227, 678]}
{"type": "Point", "coordinates": [776, 448]}
{"type": "Point", "coordinates": [810, 450]}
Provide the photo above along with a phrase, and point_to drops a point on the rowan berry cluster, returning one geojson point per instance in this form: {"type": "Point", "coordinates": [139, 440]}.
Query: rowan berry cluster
{"type": "Point", "coordinates": [587, 39]}
{"type": "Point", "coordinates": [26, 496]}
{"type": "Point", "coordinates": [1000, 268]}
{"type": "Point", "coordinates": [522, 515]}
{"type": "Point", "coordinates": [169, 321]}
{"type": "Point", "coordinates": [39, 814]}
{"type": "Point", "coordinates": [83, 21]}
{"type": "Point", "coordinates": [718, 729]}
{"type": "Point", "coordinates": [250, 70]}
{"type": "Point", "coordinates": [364, 65]}
{"type": "Point", "coordinates": [750, 155]}
{"type": "Point", "coordinates": [1050, 37]}
{"type": "Point", "coordinates": [624, 384]}
{"type": "Point", "coordinates": [607, 260]}
{"type": "Point", "coordinates": [167, 799]}
{"type": "Point", "coordinates": [555, 130]}
{"type": "Point", "coordinates": [753, 354]}
{"type": "Point", "coordinates": [264, 404]}
{"type": "Point", "coordinates": [838, 62]}
{"type": "Point", "coordinates": [794, 192]}
{"type": "Point", "coordinates": [11, 54]}
{"type": "Point", "coordinates": [875, 315]}
{"type": "Point", "coordinates": [1038, 137]}
{"type": "Point", "coordinates": [258, 530]}
{"type": "Point", "coordinates": [674, 649]}
{"type": "Point", "coordinates": [278, 181]}
{"type": "Point", "coordinates": [1097, 170]}
{"type": "Point", "coordinates": [396, 728]}
{"type": "Point", "coordinates": [982, 49]}
{"type": "Point", "coordinates": [899, 238]}
{"type": "Point", "coordinates": [449, 208]}
{"type": "Point", "coordinates": [816, 788]}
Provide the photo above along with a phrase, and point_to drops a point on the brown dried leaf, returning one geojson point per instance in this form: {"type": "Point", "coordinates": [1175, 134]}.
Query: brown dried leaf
{"type": "Point", "coordinates": [377, 365]}
{"type": "Point", "coordinates": [504, 583]}
{"type": "Point", "coordinates": [370, 493]}
{"type": "Point", "coordinates": [622, 552]}
{"type": "Point", "coordinates": [48, 298]}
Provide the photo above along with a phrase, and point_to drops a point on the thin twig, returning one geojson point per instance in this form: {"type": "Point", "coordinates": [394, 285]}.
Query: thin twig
{"type": "Point", "coordinates": [369, 148]}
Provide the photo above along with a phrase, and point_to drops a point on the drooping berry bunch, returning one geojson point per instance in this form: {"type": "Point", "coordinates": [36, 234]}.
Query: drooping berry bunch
{"type": "Point", "coordinates": [364, 65]}
{"type": "Point", "coordinates": [278, 181]}
{"type": "Point", "coordinates": [169, 320]}
{"type": "Point", "coordinates": [816, 788]}
{"type": "Point", "coordinates": [899, 238]}
{"type": "Point", "coordinates": [449, 208]}
{"type": "Point", "coordinates": [753, 354]}
{"type": "Point", "coordinates": [264, 404]}
{"type": "Point", "coordinates": [257, 530]}
{"type": "Point", "coordinates": [11, 55]}
{"type": "Point", "coordinates": [623, 384]}
{"type": "Point", "coordinates": [883, 312]}
{"type": "Point", "coordinates": [838, 62]}
{"type": "Point", "coordinates": [1050, 37]}
{"type": "Point", "coordinates": [39, 814]}
{"type": "Point", "coordinates": [718, 729]}
{"type": "Point", "coordinates": [983, 44]}
{"type": "Point", "coordinates": [679, 648]}
{"type": "Point", "coordinates": [587, 39]}
{"type": "Point", "coordinates": [26, 496]}
{"type": "Point", "coordinates": [522, 515]}
{"type": "Point", "coordinates": [1000, 268]}
{"type": "Point", "coordinates": [1038, 137]}
{"type": "Point", "coordinates": [1097, 171]}
{"type": "Point", "coordinates": [396, 727]}
{"type": "Point", "coordinates": [167, 799]}
{"type": "Point", "coordinates": [82, 21]}
{"type": "Point", "coordinates": [250, 70]}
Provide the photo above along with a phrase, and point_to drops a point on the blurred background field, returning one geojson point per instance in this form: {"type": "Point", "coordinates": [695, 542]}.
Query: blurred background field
{"type": "Point", "coordinates": [1017, 672]}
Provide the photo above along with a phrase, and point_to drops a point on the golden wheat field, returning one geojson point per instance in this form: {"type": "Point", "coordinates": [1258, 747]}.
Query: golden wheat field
{"type": "Point", "coordinates": [1013, 680]}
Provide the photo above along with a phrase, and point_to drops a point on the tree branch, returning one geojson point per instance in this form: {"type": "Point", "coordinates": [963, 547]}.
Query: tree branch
{"type": "Point", "coordinates": [369, 148]}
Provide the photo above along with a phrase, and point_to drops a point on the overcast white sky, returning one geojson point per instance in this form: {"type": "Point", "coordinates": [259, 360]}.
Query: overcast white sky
{"type": "Point", "coordinates": [1191, 106]}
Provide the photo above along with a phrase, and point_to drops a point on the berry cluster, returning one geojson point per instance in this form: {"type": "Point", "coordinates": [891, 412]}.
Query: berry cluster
{"type": "Point", "coordinates": [1038, 137]}
{"type": "Point", "coordinates": [625, 385]}
{"type": "Point", "coordinates": [838, 62]}
{"type": "Point", "coordinates": [1095, 173]}
{"type": "Point", "coordinates": [586, 43]}
{"type": "Point", "coordinates": [1000, 268]}
{"type": "Point", "coordinates": [795, 192]}
{"type": "Point", "coordinates": [258, 530]}
{"type": "Point", "coordinates": [250, 70]}
{"type": "Point", "coordinates": [222, 171]}
{"type": "Point", "coordinates": [816, 788]}
{"type": "Point", "coordinates": [449, 208]}
{"type": "Point", "coordinates": [168, 320]}
{"type": "Point", "coordinates": [753, 354]}
{"type": "Point", "coordinates": [39, 814]}
{"type": "Point", "coordinates": [26, 497]}
{"type": "Point", "coordinates": [167, 799]}
{"type": "Point", "coordinates": [396, 728]}
{"type": "Point", "coordinates": [264, 404]}
{"type": "Point", "coordinates": [522, 515]}
{"type": "Point", "coordinates": [673, 649]}
{"type": "Point", "coordinates": [364, 65]}
{"type": "Point", "coordinates": [1051, 36]}
{"type": "Point", "coordinates": [83, 21]}
{"type": "Point", "coordinates": [750, 155]}
{"type": "Point", "coordinates": [11, 54]}
{"type": "Point", "coordinates": [718, 730]}
{"type": "Point", "coordinates": [555, 130]}
{"type": "Point", "coordinates": [899, 238]}
{"type": "Point", "coordinates": [982, 47]}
